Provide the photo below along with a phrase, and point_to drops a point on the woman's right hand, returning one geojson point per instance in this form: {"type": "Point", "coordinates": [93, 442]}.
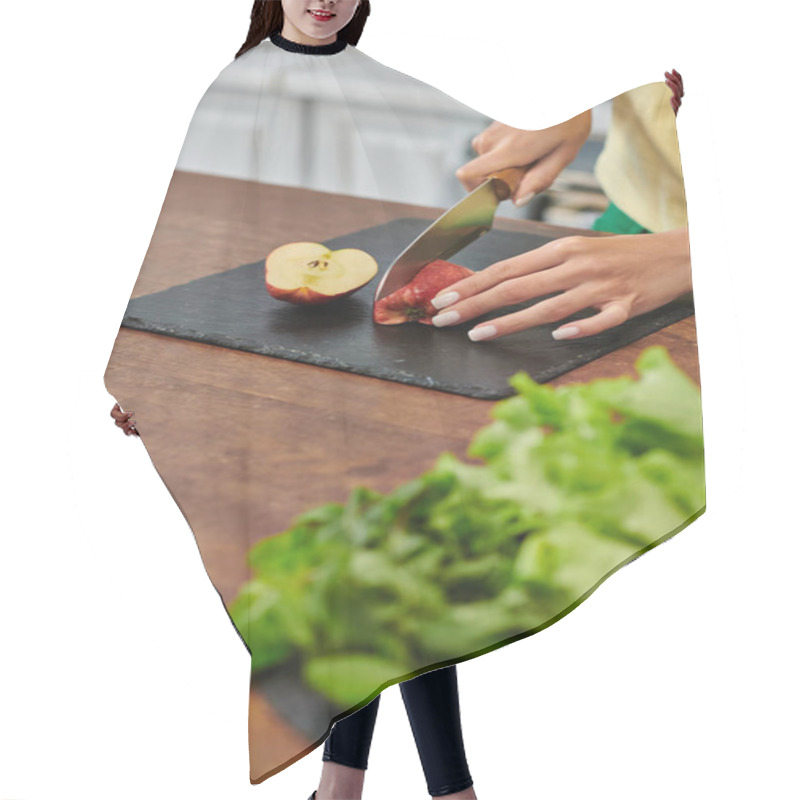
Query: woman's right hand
{"type": "Point", "coordinates": [124, 420]}
{"type": "Point", "coordinates": [547, 152]}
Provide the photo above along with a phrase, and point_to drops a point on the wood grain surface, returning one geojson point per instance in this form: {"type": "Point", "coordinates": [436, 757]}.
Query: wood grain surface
{"type": "Point", "coordinates": [245, 442]}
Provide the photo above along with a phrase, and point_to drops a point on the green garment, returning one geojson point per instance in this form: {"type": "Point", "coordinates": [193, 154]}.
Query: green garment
{"type": "Point", "coordinates": [613, 220]}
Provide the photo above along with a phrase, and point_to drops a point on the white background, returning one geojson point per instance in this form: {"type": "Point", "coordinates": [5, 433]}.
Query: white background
{"type": "Point", "coordinates": [121, 675]}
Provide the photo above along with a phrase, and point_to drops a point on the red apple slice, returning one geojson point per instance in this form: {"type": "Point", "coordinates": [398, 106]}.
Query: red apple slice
{"type": "Point", "coordinates": [412, 302]}
{"type": "Point", "coordinates": [308, 273]}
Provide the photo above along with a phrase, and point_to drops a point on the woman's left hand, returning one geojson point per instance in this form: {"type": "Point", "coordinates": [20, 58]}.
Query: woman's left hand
{"type": "Point", "coordinates": [622, 276]}
{"type": "Point", "coordinates": [124, 420]}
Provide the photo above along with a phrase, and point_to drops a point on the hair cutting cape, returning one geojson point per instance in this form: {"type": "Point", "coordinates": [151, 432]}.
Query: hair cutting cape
{"type": "Point", "coordinates": [374, 501]}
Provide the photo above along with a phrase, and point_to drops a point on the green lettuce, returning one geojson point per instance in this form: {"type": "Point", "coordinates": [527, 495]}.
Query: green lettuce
{"type": "Point", "coordinates": [574, 482]}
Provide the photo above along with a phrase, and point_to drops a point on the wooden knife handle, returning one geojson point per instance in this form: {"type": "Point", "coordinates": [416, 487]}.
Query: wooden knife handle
{"type": "Point", "coordinates": [511, 177]}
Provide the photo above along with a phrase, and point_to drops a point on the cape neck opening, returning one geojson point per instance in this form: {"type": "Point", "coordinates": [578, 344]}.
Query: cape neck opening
{"type": "Point", "coordinates": [308, 49]}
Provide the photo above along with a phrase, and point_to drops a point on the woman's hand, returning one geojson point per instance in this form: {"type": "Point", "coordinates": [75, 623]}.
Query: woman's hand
{"type": "Point", "coordinates": [547, 151]}
{"type": "Point", "coordinates": [124, 420]}
{"type": "Point", "coordinates": [675, 83]}
{"type": "Point", "coordinates": [621, 276]}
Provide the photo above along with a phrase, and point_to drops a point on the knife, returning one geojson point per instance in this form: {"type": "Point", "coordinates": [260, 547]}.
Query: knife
{"type": "Point", "coordinates": [468, 219]}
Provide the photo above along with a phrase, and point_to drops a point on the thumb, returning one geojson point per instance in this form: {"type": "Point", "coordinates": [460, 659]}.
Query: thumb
{"type": "Point", "coordinates": [475, 172]}
{"type": "Point", "coordinates": [538, 178]}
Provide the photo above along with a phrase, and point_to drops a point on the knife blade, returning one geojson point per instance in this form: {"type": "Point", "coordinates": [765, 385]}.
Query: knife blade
{"type": "Point", "coordinates": [469, 218]}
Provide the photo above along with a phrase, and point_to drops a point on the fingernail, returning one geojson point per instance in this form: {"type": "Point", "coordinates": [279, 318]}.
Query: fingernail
{"type": "Point", "coordinates": [565, 333]}
{"type": "Point", "coordinates": [482, 332]}
{"type": "Point", "coordinates": [446, 299]}
{"type": "Point", "coordinates": [448, 318]}
{"type": "Point", "coordinates": [523, 200]}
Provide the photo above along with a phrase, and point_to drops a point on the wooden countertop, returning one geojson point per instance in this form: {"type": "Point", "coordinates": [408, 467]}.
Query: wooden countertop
{"type": "Point", "coordinates": [244, 441]}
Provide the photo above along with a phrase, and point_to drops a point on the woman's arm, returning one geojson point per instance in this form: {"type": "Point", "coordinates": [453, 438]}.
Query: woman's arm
{"type": "Point", "coordinates": [620, 276]}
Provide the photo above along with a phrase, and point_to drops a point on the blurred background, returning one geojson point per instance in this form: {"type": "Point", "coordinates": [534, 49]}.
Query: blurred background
{"type": "Point", "coordinates": [392, 113]}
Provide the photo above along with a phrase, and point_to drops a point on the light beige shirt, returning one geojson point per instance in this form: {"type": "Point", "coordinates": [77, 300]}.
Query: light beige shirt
{"type": "Point", "coordinates": [640, 165]}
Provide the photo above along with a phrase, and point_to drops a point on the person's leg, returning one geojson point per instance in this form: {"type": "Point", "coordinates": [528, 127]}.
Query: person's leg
{"type": "Point", "coordinates": [431, 701]}
{"type": "Point", "coordinates": [346, 753]}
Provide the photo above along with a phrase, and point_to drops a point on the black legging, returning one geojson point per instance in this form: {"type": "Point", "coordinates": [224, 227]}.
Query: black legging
{"type": "Point", "coordinates": [431, 701]}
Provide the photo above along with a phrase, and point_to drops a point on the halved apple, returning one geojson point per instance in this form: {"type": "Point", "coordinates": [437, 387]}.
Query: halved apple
{"type": "Point", "coordinates": [412, 302]}
{"type": "Point", "coordinates": [308, 273]}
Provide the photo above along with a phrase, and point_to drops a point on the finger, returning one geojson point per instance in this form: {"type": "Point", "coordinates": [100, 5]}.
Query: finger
{"type": "Point", "coordinates": [498, 155]}
{"type": "Point", "coordinates": [119, 415]}
{"type": "Point", "coordinates": [541, 175]}
{"type": "Point", "coordinates": [533, 261]}
{"type": "Point", "coordinates": [675, 89]}
{"type": "Point", "coordinates": [543, 312]}
{"type": "Point", "coordinates": [481, 142]}
{"type": "Point", "coordinates": [487, 137]}
{"type": "Point", "coordinates": [475, 172]}
{"type": "Point", "coordinates": [125, 421]}
{"type": "Point", "coordinates": [675, 100]}
{"type": "Point", "coordinates": [611, 315]}
{"type": "Point", "coordinates": [506, 293]}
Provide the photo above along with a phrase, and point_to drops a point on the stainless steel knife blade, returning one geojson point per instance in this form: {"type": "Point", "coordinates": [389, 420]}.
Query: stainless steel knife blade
{"type": "Point", "coordinates": [460, 225]}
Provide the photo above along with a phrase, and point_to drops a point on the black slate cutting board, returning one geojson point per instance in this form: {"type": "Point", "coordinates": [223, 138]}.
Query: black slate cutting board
{"type": "Point", "coordinates": [233, 309]}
